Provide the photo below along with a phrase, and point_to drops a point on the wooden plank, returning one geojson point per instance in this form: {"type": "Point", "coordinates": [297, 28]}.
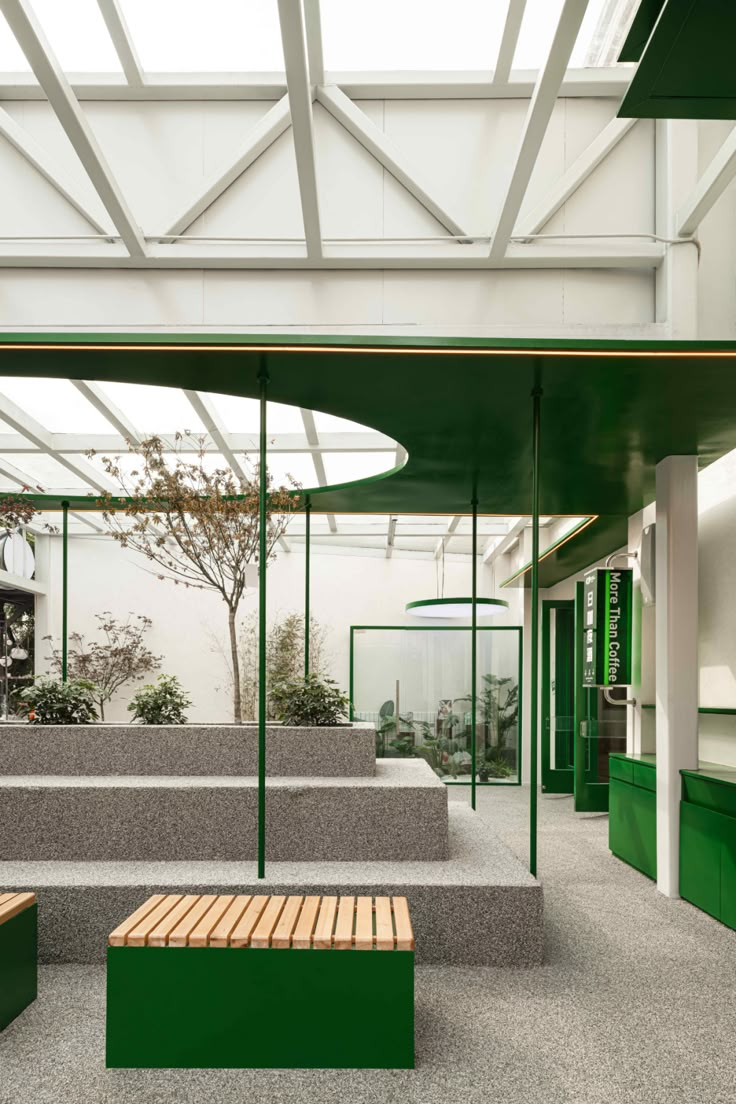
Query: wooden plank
{"type": "Point", "coordinates": [5, 897]}
{"type": "Point", "coordinates": [325, 923]}
{"type": "Point", "coordinates": [385, 939]}
{"type": "Point", "coordinates": [220, 934]}
{"type": "Point", "coordinates": [302, 937]}
{"type": "Point", "coordinates": [180, 935]}
{"type": "Point", "coordinates": [364, 924]}
{"type": "Point", "coordinates": [402, 921]}
{"type": "Point", "coordinates": [138, 934]}
{"type": "Point", "coordinates": [17, 903]}
{"type": "Point", "coordinates": [269, 918]}
{"type": "Point", "coordinates": [241, 934]}
{"type": "Point", "coordinates": [287, 922]}
{"type": "Point", "coordinates": [344, 925]}
{"type": "Point", "coordinates": [159, 937]}
{"type": "Point", "coordinates": [118, 937]}
{"type": "Point", "coordinates": [200, 936]}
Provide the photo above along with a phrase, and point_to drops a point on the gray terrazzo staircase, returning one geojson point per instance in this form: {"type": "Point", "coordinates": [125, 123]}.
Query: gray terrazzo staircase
{"type": "Point", "coordinates": [399, 814]}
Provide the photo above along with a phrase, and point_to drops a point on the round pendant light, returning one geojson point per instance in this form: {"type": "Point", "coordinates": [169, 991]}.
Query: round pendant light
{"type": "Point", "coordinates": [452, 608]}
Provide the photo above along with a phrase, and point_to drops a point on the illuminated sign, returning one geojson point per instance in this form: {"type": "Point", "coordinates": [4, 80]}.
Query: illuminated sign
{"type": "Point", "coordinates": [607, 620]}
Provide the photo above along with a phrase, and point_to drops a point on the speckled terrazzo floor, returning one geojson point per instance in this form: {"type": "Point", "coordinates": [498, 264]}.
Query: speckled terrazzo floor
{"type": "Point", "coordinates": [635, 1005]}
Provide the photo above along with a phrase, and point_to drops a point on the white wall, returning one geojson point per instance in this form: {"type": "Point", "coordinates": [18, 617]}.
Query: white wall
{"type": "Point", "coordinates": [190, 626]}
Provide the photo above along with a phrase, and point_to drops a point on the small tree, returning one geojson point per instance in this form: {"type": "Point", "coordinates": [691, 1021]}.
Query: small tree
{"type": "Point", "coordinates": [284, 657]}
{"type": "Point", "coordinates": [199, 525]}
{"type": "Point", "coordinates": [120, 656]}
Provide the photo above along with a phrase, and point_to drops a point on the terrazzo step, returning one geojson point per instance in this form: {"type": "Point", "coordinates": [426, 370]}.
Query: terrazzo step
{"type": "Point", "coordinates": [480, 906]}
{"type": "Point", "coordinates": [347, 751]}
{"type": "Point", "coordinates": [399, 813]}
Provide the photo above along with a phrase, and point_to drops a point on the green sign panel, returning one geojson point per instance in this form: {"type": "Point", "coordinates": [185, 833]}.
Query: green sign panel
{"type": "Point", "coordinates": [607, 598]}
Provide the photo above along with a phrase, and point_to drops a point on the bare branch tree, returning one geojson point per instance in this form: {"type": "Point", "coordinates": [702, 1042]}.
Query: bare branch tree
{"type": "Point", "coordinates": [197, 523]}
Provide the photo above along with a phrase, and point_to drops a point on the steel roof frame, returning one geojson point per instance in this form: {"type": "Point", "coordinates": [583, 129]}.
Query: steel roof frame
{"type": "Point", "coordinates": [120, 242]}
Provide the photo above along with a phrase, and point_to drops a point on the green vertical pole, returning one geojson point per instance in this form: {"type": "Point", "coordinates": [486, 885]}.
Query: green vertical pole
{"type": "Point", "coordinates": [473, 653]}
{"type": "Point", "coordinates": [262, 555]}
{"type": "Point", "coordinates": [534, 711]}
{"type": "Point", "coordinates": [307, 568]}
{"type": "Point", "coordinates": [64, 590]}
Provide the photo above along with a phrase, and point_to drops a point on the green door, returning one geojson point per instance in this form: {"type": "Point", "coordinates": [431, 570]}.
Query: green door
{"type": "Point", "coordinates": [590, 755]}
{"type": "Point", "coordinates": [558, 696]}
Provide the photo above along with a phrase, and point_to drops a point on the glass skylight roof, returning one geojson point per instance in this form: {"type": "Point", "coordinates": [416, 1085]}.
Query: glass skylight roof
{"type": "Point", "coordinates": [243, 36]}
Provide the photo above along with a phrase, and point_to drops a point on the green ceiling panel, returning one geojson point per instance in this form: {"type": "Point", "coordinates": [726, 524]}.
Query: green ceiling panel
{"type": "Point", "coordinates": [461, 407]}
{"type": "Point", "coordinates": [687, 69]}
{"type": "Point", "coordinates": [640, 30]}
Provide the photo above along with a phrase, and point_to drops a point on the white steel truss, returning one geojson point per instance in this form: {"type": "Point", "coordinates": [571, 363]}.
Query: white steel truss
{"type": "Point", "coordinates": [288, 99]}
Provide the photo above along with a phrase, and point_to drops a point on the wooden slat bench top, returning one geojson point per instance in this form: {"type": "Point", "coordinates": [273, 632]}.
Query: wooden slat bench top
{"type": "Point", "coordinates": [13, 903]}
{"type": "Point", "coordinates": [261, 921]}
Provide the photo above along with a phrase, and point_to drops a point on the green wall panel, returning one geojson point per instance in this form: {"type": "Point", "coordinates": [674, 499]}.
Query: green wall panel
{"type": "Point", "coordinates": [208, 1008]}
{"type": "Point", "coordinates": [18, 970]}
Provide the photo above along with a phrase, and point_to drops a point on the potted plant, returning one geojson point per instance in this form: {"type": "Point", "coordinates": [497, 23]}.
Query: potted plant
{"type": "Point", "coordinates": [51, 702]}
{"type": "Point", "coordinates": [161, 703]}
{"type": "Point", "coordinates": [311, 701]}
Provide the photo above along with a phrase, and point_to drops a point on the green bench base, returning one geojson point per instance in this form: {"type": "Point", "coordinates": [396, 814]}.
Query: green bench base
{"type": "Point", "coordinates": [18, 964]}
{"type": "Point", "coordinates": [247, 1008]}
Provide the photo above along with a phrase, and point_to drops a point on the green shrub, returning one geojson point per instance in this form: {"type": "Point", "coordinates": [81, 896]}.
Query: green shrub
{"type": "Point", "coordinates": [311, 701]}
{"type": "Point", "coordinates": [49, 701]}
{"type": "Point", "coordinates": [162, 702]}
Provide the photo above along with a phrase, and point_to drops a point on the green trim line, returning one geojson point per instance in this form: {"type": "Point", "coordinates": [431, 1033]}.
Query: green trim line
{"type": "Point", "coordinates": [525, 570]}
{"type": "Point", "coordinates": [726, 712]}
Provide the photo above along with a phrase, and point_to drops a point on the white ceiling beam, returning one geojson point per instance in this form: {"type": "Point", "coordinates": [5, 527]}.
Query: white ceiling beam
{"type": "Point", "coordinates": [390, 536]}
{"type": "Point", "coordinates": [87, 520]}
{"type": "Point", "coordinates": [284, 543]}
{"type": "Point", "coordinates": [75, 188]}
{"type": "Point", "coordinates": [274, 123]}
{"type": "Point", "coordinates": [507, 49]}
{"type": "Point", "coordinates": [117, 28]}
{"type": "Point", "coordinates": [710, 187]}
{"type": "Point", "coordinates": [94, 394]}
{"type": "Point", "coordinates": [605, 83]}
{"type": "Point", "coordinates": [50, 76]}
{"type": "Point", "coordinates": [313, 29]}
{"type": "Point", "coordinates": [24, 424]}
{"type": "Point", "coordinates": [493, 551]}
{"type": "Point", "coordinates": [291, 18]}
{"type": "Point", "coordinates": [573, 252]}
{"type": "Point", "coordinates": [206, 412]}
{"type": "Point", "coordinates": [357, 124]}
{"type": "Point", "coordinates": [15, 475]}
{"type": "Point", "coordinates": [531, 222]}
{"type": "Point", "coordinates": [537, 119]}
{"type": "Point", "coordinates": [313, 439]}
{"type": "Point", "coordinates": [445, 540]}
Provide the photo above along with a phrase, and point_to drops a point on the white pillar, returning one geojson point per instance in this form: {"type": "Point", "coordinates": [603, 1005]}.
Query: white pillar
{"type": "Point", "coordinates": [677, 653]}
{"type": "Point", "coordinates": [676, 280]}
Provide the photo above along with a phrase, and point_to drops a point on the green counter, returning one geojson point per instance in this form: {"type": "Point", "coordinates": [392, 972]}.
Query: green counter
{"type": "Point", "coordinates": [632, 811]}
{"type": "Point", "coordinates": [708, 841]}
{"type": "Point", "coordinates": [707, 829]}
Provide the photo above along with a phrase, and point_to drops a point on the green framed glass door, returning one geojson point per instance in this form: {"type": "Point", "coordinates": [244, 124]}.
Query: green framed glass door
{"type": "Point", "coordinates": [558, 696]}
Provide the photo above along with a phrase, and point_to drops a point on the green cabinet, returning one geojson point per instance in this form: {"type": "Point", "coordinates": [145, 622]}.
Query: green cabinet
{"type": "Point", "coordinates": [632, 819]}
{"type": "Point", "coordinates": [708, 843]}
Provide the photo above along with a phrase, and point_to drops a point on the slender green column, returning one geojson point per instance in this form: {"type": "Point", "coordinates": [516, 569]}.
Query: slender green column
{"type": "Point", "coordinates": [262, 556]}
{"type": "Point", "coordinates": [474, 654]}
{"type": "Point", "coordinates": [64, 589]}
{"type": "Point", "coordinates": [534, 711]}
{"type": "Point", "coordinates": [307, 569]}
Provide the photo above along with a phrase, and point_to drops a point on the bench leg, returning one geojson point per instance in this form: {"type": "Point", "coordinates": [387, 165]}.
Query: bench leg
{"type": "Point", "coordinates": [18, 964]}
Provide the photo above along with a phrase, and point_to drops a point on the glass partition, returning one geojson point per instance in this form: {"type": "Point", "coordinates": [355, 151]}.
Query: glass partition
{"type": "Point", "coordinates": [414, 685]}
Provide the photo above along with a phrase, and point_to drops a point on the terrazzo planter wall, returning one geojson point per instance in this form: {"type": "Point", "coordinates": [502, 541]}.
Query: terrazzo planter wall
{"type": "Point", "coordinates": [345, 750]}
